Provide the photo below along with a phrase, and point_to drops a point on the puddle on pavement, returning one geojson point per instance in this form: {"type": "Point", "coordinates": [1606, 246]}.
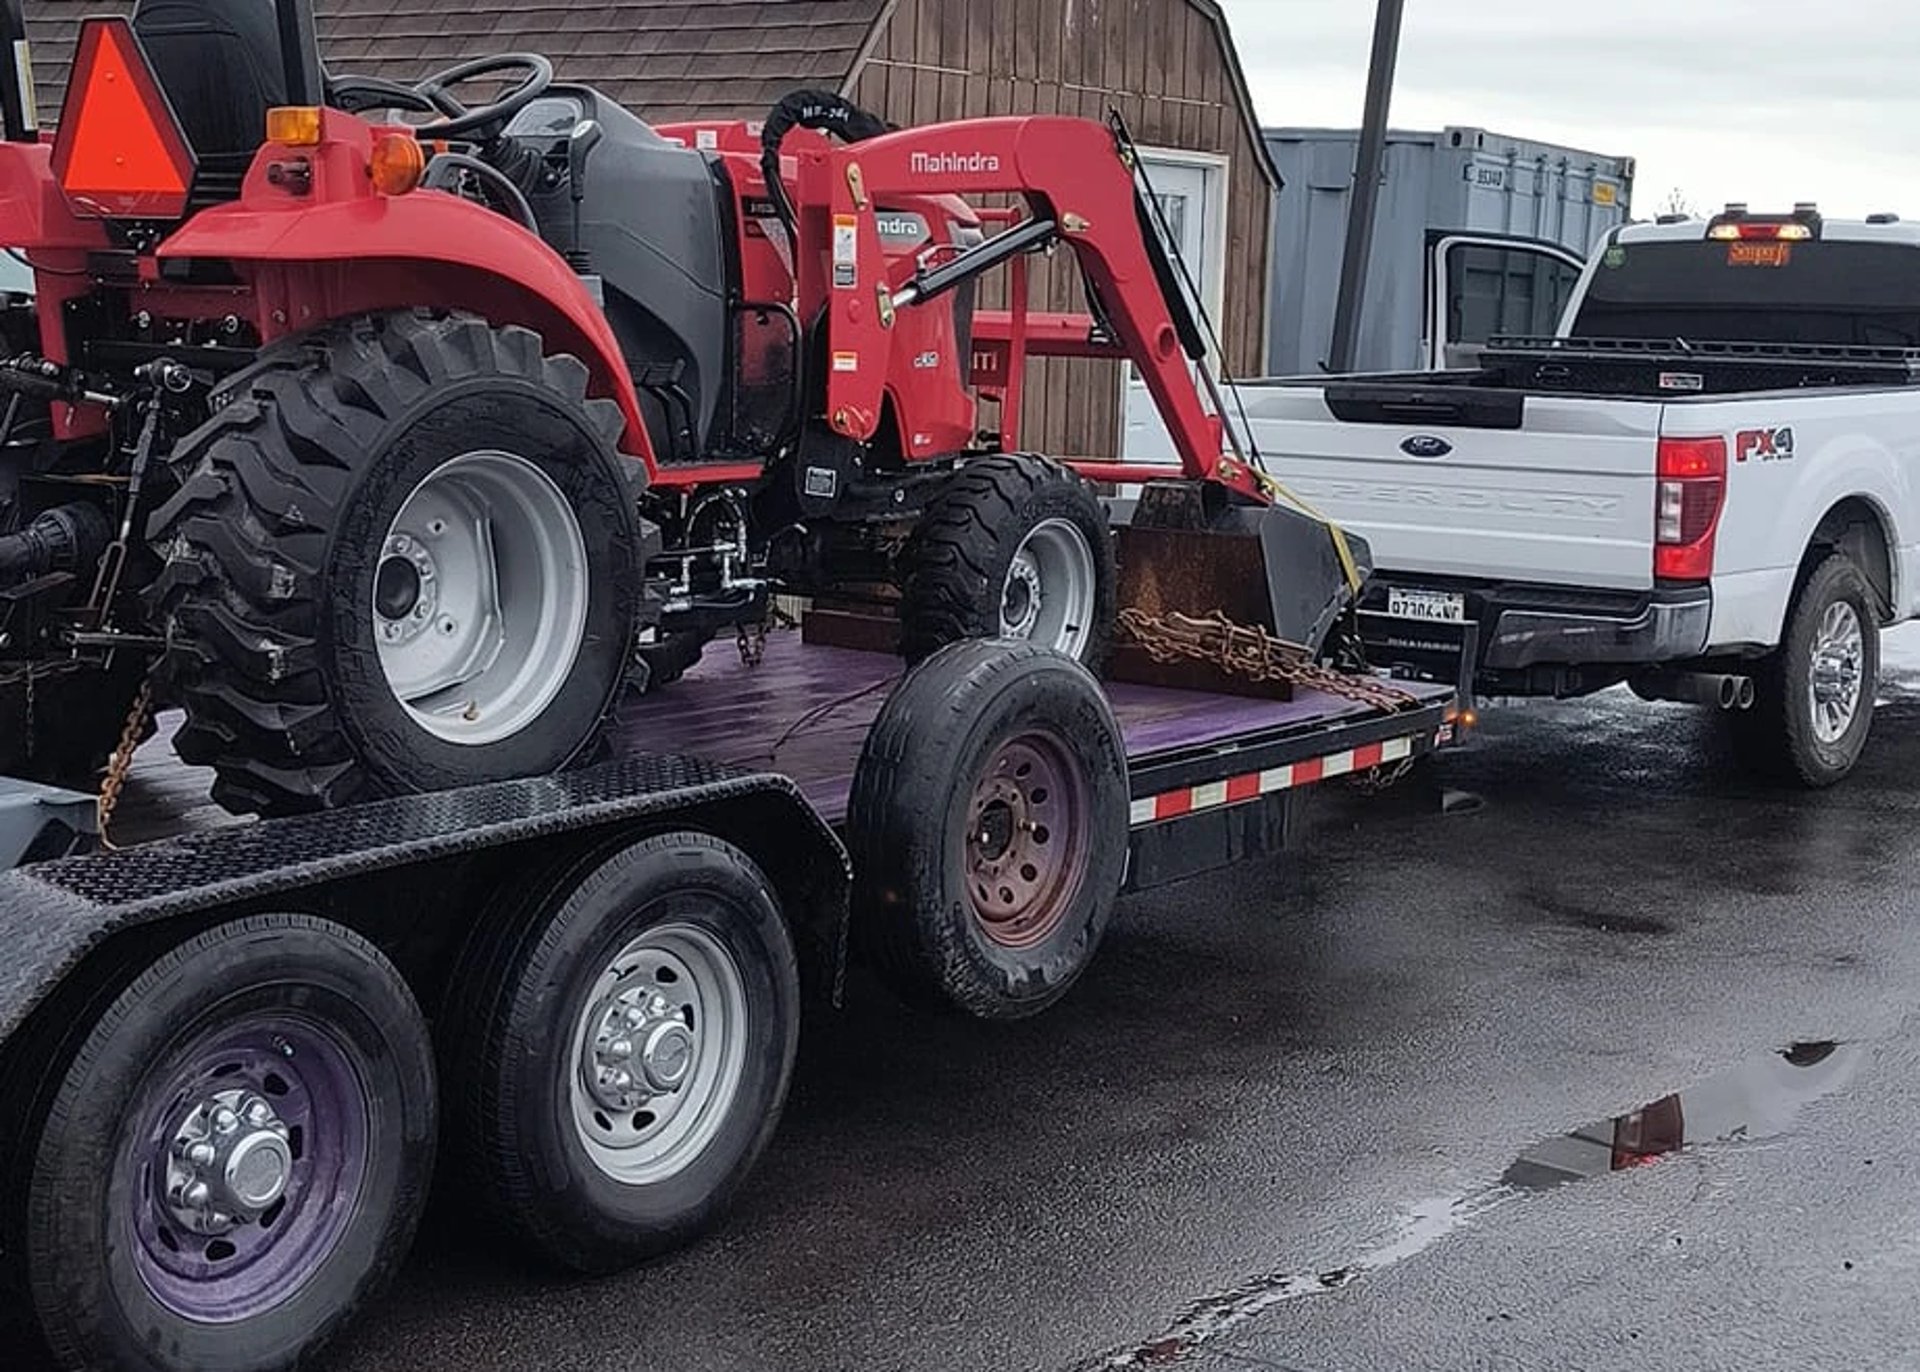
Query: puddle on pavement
{"type": "Point", "coordinates": [1758, 1100]}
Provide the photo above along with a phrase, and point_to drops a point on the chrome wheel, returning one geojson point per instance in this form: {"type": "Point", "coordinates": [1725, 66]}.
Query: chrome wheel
{"type": "Point", "coordinates": [480, 600]}
{"type": "Point", "coordinates": [1050, 591]}
{"type": "Point", "coordinates": [659, 1054]}
{"type": "Point", "coordinates": [1837, 672]}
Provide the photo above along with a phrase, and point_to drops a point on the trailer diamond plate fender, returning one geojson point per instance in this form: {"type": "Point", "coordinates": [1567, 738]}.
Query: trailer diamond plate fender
{"type": "Point", "coordinates": [52, 914]}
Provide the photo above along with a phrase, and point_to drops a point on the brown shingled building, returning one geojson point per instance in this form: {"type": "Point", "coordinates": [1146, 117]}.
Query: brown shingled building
{"type": "Point", "coordinates": [1169, 66]}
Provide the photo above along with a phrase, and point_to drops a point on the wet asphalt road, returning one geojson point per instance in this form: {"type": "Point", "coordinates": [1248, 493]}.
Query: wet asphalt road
{"type": "Point", "coordinates": [1326, 1066]}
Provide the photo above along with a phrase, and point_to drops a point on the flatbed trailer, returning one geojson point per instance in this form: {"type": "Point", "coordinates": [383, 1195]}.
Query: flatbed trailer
{"type": "Point", "coordinates": [504, 929]}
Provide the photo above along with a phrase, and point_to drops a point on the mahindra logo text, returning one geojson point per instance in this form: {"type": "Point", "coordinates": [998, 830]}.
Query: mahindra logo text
{"type": "Point", "coordinates": [952, 163]}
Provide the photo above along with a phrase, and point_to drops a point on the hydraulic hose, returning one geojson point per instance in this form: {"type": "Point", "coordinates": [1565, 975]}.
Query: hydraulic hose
{"type": "Point", "coordinates": [62, 539]}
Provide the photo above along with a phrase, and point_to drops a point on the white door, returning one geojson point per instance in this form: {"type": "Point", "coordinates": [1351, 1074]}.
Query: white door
{"type": "Point", "coordinates": [1192, 191]}
{"type": "Point", "coordinates": [1486, 286]}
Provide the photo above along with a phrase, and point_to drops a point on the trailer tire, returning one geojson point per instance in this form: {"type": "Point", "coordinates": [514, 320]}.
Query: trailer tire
{"type": "Point", "coordinates": [989, 828]}
{"type": "Point", "coordinates": [404, 556]}
{"type": "Point", "coordinates": [1814, 695]}
{"type": "Point", "coordinates": [305, 1034]}
{"type": "Point", "coordinates": [591, 1175]}
{"type": "Point", "coordinates": [1015, 547]}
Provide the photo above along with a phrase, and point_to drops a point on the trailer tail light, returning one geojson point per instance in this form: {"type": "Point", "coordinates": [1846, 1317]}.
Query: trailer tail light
{"type": "Point", "coordinates": [1691, 489]}
{"type": "Point", "coordinates": [120, 152]}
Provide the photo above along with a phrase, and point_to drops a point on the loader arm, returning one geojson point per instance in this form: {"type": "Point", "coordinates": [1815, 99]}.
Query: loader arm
{"type": "Point", "coordinates": [1080, 190]}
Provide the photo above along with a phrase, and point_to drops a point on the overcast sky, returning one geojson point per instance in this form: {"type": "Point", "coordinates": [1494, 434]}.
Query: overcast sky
{"type": "Point", "coordinates": [1769, 101]}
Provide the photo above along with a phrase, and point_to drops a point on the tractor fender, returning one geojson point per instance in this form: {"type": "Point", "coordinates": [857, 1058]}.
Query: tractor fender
{"type": "Point", "coordinates": [314, 264]}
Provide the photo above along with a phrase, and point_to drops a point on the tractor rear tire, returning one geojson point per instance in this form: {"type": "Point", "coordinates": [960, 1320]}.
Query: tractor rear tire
{"type": "Point", "coordinates": [404, 556]}
{"type": "Point", "coordinates": [1015, 547]}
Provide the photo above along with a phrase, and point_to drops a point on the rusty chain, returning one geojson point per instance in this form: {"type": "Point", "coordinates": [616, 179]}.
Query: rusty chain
{"type": "Point", "coordinates": [120, 765]}
{"type": "Point", "coordinates": [1250, 651]}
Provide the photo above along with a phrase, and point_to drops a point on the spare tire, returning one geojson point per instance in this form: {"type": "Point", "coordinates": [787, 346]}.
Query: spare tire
{"type": "Point", "coordinates": [989, 827]}
{"type": "Point", "coordinates": [404, 556]}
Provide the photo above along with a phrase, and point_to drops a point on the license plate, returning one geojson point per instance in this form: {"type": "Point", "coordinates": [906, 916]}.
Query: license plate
{"type": "Point", "coordinates": [1429, 607]}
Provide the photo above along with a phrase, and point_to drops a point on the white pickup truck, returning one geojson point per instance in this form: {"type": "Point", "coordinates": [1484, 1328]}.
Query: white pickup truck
{"type": "Point", "coordinates": [1706, 484]}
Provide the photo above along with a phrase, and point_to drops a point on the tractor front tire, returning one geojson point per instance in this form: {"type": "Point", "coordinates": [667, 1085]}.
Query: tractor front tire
{"type": "Point", "coordinates": [1016, 547]}
{"type": "Point", "coordinates": [404, 556]}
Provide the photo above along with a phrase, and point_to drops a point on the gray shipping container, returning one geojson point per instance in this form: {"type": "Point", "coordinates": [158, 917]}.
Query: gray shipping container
{"type": "Point", "coordinates": [1456, 180]}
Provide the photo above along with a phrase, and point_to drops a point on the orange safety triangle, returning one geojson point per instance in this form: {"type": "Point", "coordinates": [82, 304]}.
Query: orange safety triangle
{"type": "Point", "coordinates": [118, 146]}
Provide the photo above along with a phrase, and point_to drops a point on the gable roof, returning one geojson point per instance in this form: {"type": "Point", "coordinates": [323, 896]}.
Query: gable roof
{"type": "Point", "coordinates": [729, 59]}
{"type": "Point", "coordinates": [663, 59]}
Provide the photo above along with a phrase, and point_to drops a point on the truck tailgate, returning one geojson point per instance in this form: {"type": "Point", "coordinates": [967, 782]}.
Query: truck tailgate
{"type": "Point", "coordinates": [1566, 497]}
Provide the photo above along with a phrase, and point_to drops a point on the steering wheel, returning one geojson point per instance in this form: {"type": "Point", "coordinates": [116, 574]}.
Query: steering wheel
{"type": "Point", "coordinates": [358, 94]}
{"type": "Point", "coordinates": [536, 75]}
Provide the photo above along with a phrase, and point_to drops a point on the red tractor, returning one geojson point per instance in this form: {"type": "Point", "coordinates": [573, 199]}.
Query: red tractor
{"type": "Point", "coordinates": [403, 449]}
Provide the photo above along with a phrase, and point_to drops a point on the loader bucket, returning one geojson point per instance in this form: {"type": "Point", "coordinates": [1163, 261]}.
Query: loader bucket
{"type": "Point", "coordinates": [1189, 551]}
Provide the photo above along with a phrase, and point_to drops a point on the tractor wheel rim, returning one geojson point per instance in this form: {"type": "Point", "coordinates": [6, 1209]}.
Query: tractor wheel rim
{"type": "Point", "coordinates": [480, 599]}
{"type": "Point", "coordinates": [659, 1054]}
{"type": "Point", "coordinates": [1837, 675]}
{"type": "Point", "coordinates": [244, 1168]}
{"type": "Point", "coordinates": [1049, 595]}
{"type": "Point", "coordinates": [1027, 841]}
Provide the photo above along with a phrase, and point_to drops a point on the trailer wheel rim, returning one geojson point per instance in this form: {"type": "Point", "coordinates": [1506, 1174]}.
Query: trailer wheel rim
{"type": "Point", "coordinates": [1051, 588]}
{"type": "Point", "coordinates": [245, 1167]}
{"type": "Point", "coordinates": [1837, 675]}
{"type": "Point", "coordinates": [480, 598]}
{"type": "Point", "coordinates": [1027, 841]}
{"type": "Point", "coordinates": [659, 1054]}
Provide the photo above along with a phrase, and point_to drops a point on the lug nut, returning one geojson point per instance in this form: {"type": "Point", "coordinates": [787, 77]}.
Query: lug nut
{"type": "Point", "coordinates": [201, 1155]}
{"type": "Point", "coordinates": [620, 1049]}
{"type": "Point", "coordinates": [225, 1121]}
{"type": "Point", "coordinates": [196, 1196]}
{"type": "Point", "coordinates": [258, 1113]}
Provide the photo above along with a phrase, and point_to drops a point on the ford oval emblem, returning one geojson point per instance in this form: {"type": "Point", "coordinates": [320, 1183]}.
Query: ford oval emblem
{"type": "Point", "coordinates": [1426, 445]}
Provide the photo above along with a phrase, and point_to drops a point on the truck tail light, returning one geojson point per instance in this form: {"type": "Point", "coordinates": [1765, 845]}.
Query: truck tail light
{"type": "Point", "coordinates": [1691, 490]}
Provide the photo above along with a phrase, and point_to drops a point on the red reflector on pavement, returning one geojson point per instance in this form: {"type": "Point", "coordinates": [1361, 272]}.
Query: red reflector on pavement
{"type": "Point", "coordinates": [120, 152]}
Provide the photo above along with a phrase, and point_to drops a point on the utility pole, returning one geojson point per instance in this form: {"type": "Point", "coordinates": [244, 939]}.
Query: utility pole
{"type": "Point", "coordinates": [1364, 203]}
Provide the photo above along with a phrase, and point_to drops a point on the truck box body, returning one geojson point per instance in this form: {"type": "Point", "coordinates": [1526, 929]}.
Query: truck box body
{"type": "Point", "coordinates": [1458, 180]}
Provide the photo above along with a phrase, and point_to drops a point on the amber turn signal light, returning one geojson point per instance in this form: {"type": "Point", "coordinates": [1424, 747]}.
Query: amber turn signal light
{"type": "Point", "coordinates": [296, 126]}
{"type": "Point", "coordinates": [397, 163]}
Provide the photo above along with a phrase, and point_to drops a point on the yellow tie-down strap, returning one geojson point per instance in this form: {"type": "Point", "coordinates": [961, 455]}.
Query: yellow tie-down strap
{"type": "Point", "coordinates": [1348, 565]}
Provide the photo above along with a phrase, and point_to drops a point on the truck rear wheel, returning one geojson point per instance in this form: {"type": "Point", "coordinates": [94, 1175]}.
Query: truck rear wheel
{"type": "Point", "coordinates": [1015, 547]}
{"type": "Point", "coordinates": [619, 1062]}
{"type": "Point", "coordinates": [1814, 696]}
{"type": "Point", "coordinates": [988, 825]}
{"type": "Point", "coordinates": [404, 556]}
{"type": "Point", "coordinates": [236, 1157]}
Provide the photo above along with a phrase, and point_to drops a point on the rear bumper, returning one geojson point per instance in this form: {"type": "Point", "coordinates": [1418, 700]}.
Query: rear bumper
{"type": "Point", "coordinates": [1666, 626]}
{"type": "Point", "coordinates": [1513, 627]}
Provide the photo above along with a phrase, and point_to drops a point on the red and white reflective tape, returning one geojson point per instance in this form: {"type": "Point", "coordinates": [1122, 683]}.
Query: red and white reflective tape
{"type": "Point", "coordinates": [1216, 795]}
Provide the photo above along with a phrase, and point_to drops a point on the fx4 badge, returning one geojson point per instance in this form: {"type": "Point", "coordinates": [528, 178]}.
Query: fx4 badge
{"type": "Point", "coordinates": [1763, 445]}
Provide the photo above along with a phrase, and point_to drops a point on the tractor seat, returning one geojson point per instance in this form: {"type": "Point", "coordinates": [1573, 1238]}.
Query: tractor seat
{"type": "Point", "coordinates": [220, 63]}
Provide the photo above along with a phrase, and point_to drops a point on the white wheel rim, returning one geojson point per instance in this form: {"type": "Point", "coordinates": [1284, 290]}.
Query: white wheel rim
{"type": "Point", "coordinates": [1049, 595]}
{"type": "Point", "coordinates": [479, 603]}
{"type": "Point", "coordinates": [1836, 678]}
{"type": "Point", "coordinates": [670, 1013]}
